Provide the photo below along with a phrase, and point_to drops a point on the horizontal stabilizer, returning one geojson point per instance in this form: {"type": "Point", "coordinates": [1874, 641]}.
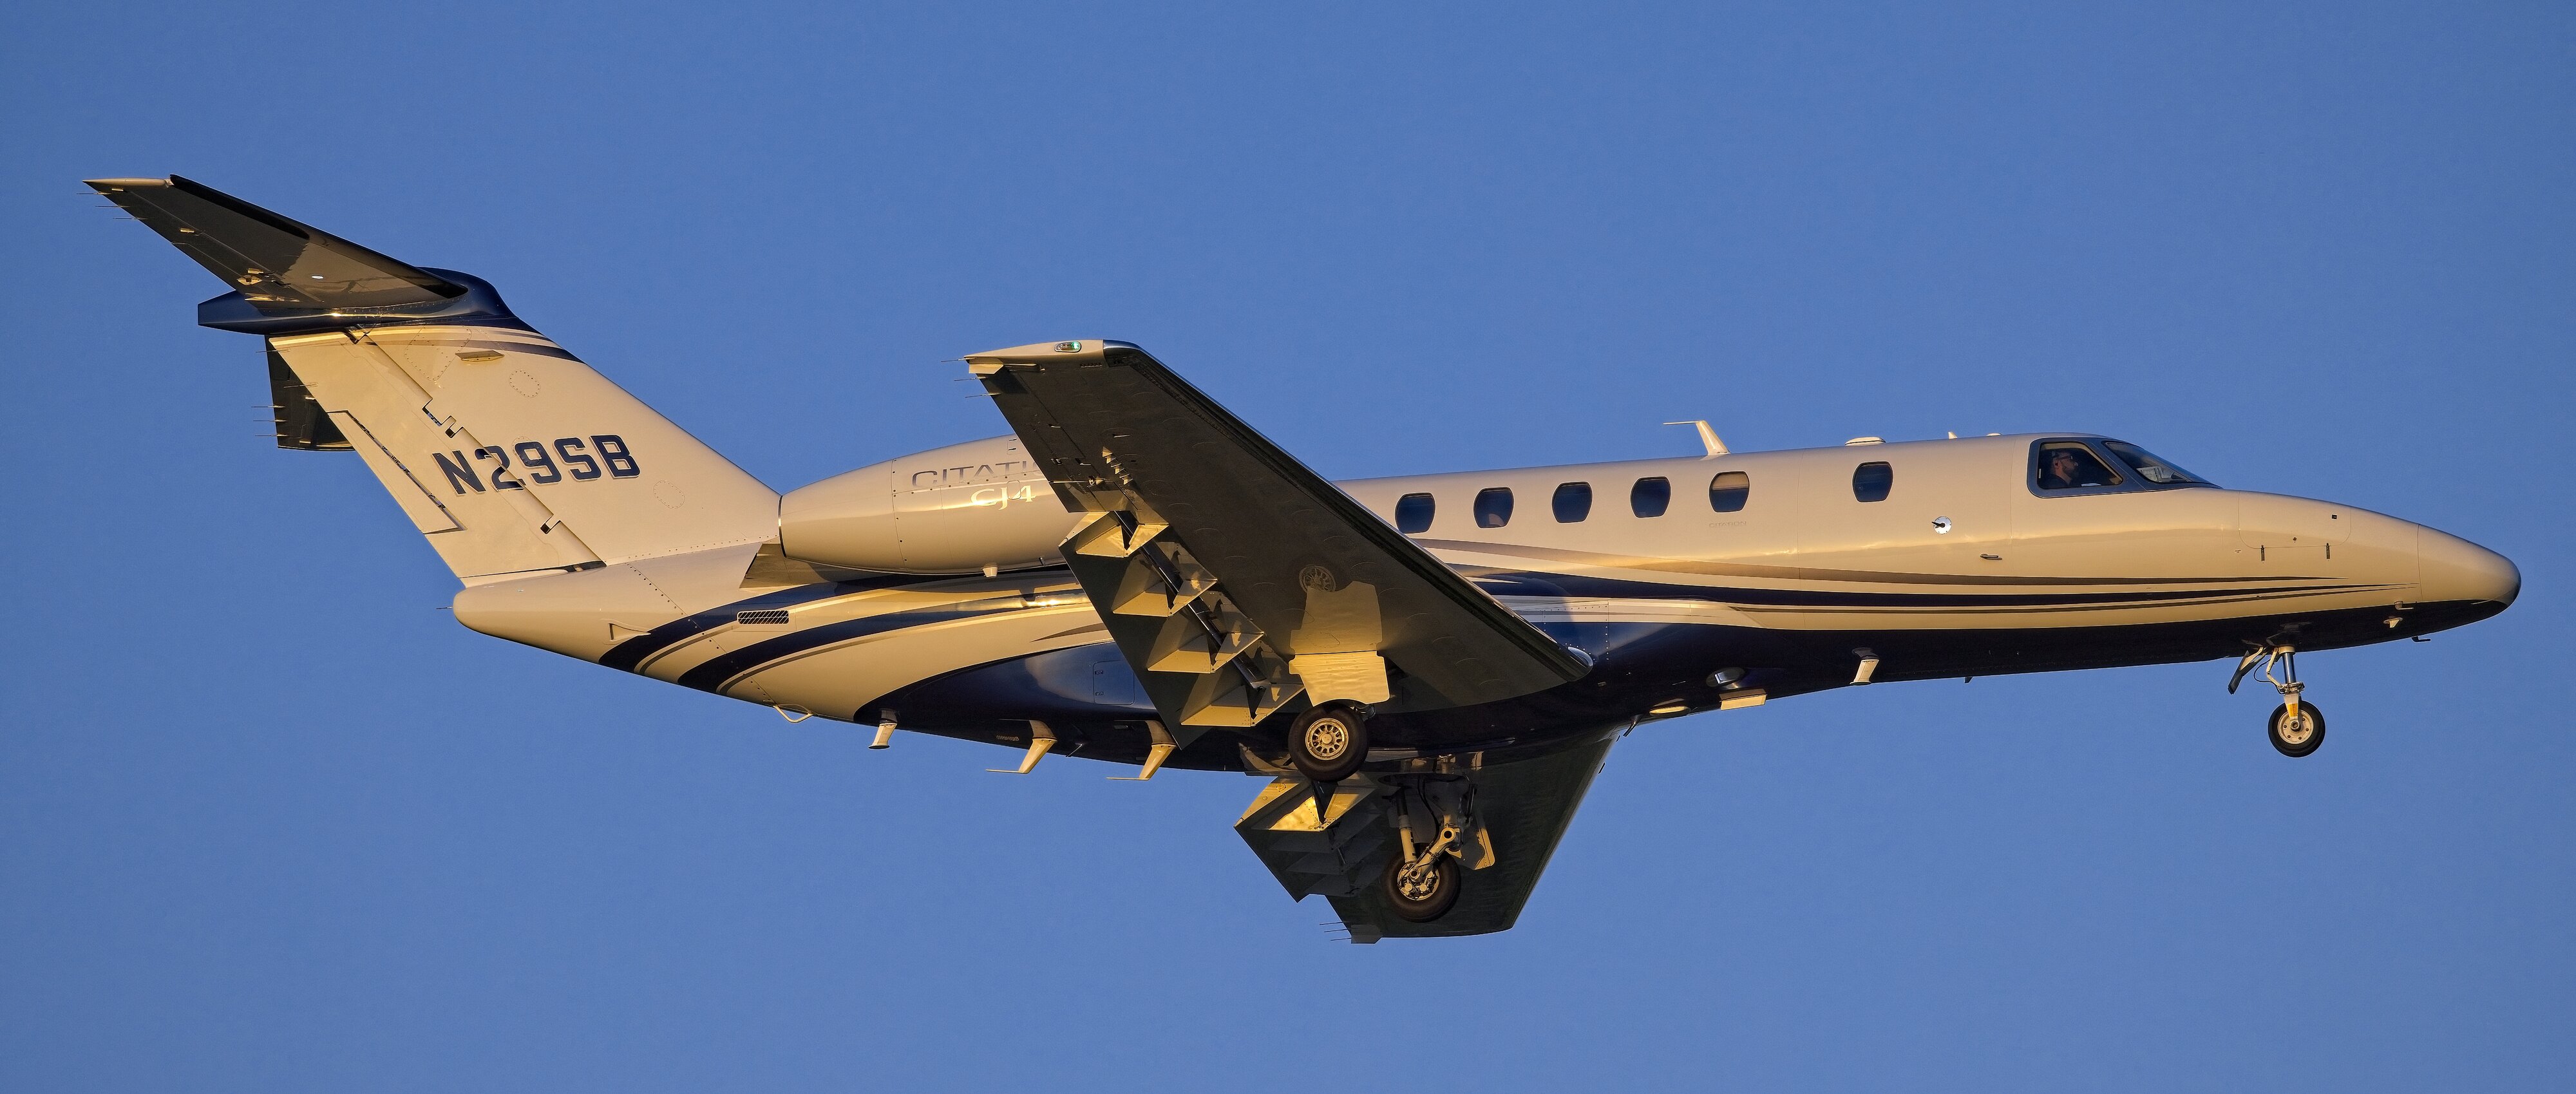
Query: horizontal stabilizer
{"type": "Point", "coordinates": [276, 263]}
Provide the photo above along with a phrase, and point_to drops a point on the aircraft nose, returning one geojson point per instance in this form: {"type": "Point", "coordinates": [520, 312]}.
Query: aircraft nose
{"type": "Point", "coordinates": [2455, 569]}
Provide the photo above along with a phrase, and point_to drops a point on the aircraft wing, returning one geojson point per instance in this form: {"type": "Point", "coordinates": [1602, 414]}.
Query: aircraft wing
{"type": "Point", "coordinates": [277, 264]}
{"type": "Point", "coordinates": [1522, 807]}
{"type": "Point", "coordinates": [1234, 578]}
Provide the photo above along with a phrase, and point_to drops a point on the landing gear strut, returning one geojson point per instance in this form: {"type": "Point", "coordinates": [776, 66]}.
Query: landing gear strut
{"type": "Point", "coordinates": [2297, 728]}
{"type": "Point", "coordinates": [1329, 742]}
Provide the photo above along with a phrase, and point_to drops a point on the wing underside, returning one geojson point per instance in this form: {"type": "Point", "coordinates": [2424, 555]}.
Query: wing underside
{"type": "Point", "coordinates": [1519, 812]}
{"type": "Point", "coordinates": [1239, 584]}
{"type": "Point", "coordinates": [1235, 579]}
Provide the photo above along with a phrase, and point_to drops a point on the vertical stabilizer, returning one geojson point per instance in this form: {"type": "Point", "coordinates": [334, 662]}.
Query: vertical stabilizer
{"type": "Point", "coordinates": [510, 454]}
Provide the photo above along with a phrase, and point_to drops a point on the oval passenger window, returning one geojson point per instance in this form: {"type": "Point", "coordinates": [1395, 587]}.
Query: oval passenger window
{"type": "Point", "coordinates": [1871, 481]}
{"type": "Point", "coordinates": [1573, 501]}
{"type": "Point", "coordinates": [1650, 497]}
{"type": "Point", "coordinates": [1726, 492]}
{"type": "Point", "coordinates": [1413, 513]}
{"type": "Point", "coordinates": [1494, 507]}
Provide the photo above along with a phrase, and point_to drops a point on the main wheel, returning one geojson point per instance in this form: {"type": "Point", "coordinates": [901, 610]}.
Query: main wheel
{"type": "Point", "coordinates": [2299, 736]}
{"type": "Point", "coordinates": [1424, 896]}
{"type": "Point", "coordinates": [1328, 743]}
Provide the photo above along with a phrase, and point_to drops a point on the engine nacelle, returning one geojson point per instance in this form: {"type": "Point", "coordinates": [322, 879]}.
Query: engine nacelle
{"type": "Point", "coordinates": [953, 510]}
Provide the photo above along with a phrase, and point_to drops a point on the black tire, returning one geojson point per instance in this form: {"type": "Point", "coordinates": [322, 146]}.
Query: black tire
{"type": "Point", "coordinates": [2296, 744]}
{"type": "Point", "coordinates": [1431, 905]}
{"type": "Point", "coordinates": [1329, 743]}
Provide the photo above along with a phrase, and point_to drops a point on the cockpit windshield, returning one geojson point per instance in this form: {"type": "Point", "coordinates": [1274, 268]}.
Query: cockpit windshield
{"type": "Point", "coordinates": [2069, 465]}
{"type": "Point", "coordinates": [2078, 466]}
{"type": "Point", "coordinates": [2157, 471]}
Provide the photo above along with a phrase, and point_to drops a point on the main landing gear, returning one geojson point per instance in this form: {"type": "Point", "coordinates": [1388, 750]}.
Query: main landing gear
{"type": "Point", "coordinates": [1329, 743]}
{"type": "Point", "coordinates": [1438, 838]}
{"type": "Point", "coordinates": [1421, 893]}
{"type": "Point", "coordinates": [2297, 728]}
{"type": "Point", "coordinates": [1423, 878]}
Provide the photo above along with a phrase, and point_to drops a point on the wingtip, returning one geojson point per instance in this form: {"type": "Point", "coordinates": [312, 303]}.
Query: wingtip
{"type": "Point", "coordinates": [106, 185]}
{"type": "Point", "coordinates": [1048, 349]}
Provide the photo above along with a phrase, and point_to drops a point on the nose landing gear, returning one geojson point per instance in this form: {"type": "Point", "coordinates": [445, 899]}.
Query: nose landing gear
{"type": "Point", "coordinates": [2297, 731]}
{"type": "Point", "coordinates": [2297, 728]}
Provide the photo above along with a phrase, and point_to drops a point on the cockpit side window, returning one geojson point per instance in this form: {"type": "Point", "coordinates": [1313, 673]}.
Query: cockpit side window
{"type": "Point", "coordinates": [2155, 471]}
{"type": "Point", "coordinates": [2069, 465]}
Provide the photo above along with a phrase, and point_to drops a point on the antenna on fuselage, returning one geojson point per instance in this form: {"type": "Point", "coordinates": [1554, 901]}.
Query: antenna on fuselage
{"type": "Point", "coordinates": [1707, 437]}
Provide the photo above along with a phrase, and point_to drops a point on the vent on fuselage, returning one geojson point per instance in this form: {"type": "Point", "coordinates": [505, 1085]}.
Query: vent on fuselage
{"type": "Point", "coordinates": [766, 617]}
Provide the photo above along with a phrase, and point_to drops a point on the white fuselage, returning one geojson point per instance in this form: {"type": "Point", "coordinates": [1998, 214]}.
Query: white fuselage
{"type": "Point", "coordinates": [1959, 568]}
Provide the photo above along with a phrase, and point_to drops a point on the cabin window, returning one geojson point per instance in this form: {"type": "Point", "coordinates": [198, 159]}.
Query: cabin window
{"type": "Point", "coordinates": [1650, 497]}
{"type": "Point", "coordinates": [1573, 502]}
{"type": "Point", "coordinates": [2069, 465]}
{"type": "Point", "coordinates": [1413, 513]}
{"type": "Point", "coordinates": [1726, 492]}
{"type": "Point", "coordinates": [2150, 468]}
{"type": "Point", "coordinates": [1871, 481]}
{"type": "Point", "coordinates": [1494, 507]}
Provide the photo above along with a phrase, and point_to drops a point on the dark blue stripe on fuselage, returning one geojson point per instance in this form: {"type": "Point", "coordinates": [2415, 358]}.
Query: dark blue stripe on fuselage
{"type": "Point", "coordinates": [715, 672]}
{"type": "Point", "coordinates": [1541, 584]}
{"type": "Point", "coordinates": [632, 652]}
{"type": "Point", "coordinates": [725, 666]}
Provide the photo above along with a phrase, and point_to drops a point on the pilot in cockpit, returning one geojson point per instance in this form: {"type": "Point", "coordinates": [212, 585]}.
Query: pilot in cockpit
{"type": "Point", "coordinates": [2071, 467]}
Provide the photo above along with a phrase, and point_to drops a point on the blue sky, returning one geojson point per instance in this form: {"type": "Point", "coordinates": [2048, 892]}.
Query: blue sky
{"type": "Point", "coordinates": [269, 820]}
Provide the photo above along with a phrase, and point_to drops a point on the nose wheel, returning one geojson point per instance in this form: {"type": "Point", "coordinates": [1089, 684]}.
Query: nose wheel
{"type": "Point", "coordinates": [2297, 728]}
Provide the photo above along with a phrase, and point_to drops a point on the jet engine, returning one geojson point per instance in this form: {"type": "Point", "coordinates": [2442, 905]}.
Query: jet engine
{"type": "Point", "coordinates": [955, 510]}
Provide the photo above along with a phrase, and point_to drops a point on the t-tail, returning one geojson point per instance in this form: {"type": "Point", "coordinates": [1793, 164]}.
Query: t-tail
{"type": "Point", "coordinates": [511, 455]}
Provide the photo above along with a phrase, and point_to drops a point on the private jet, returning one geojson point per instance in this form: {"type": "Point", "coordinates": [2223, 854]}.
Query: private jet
{"type": "Point", "coordinates": [1428, 670]}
